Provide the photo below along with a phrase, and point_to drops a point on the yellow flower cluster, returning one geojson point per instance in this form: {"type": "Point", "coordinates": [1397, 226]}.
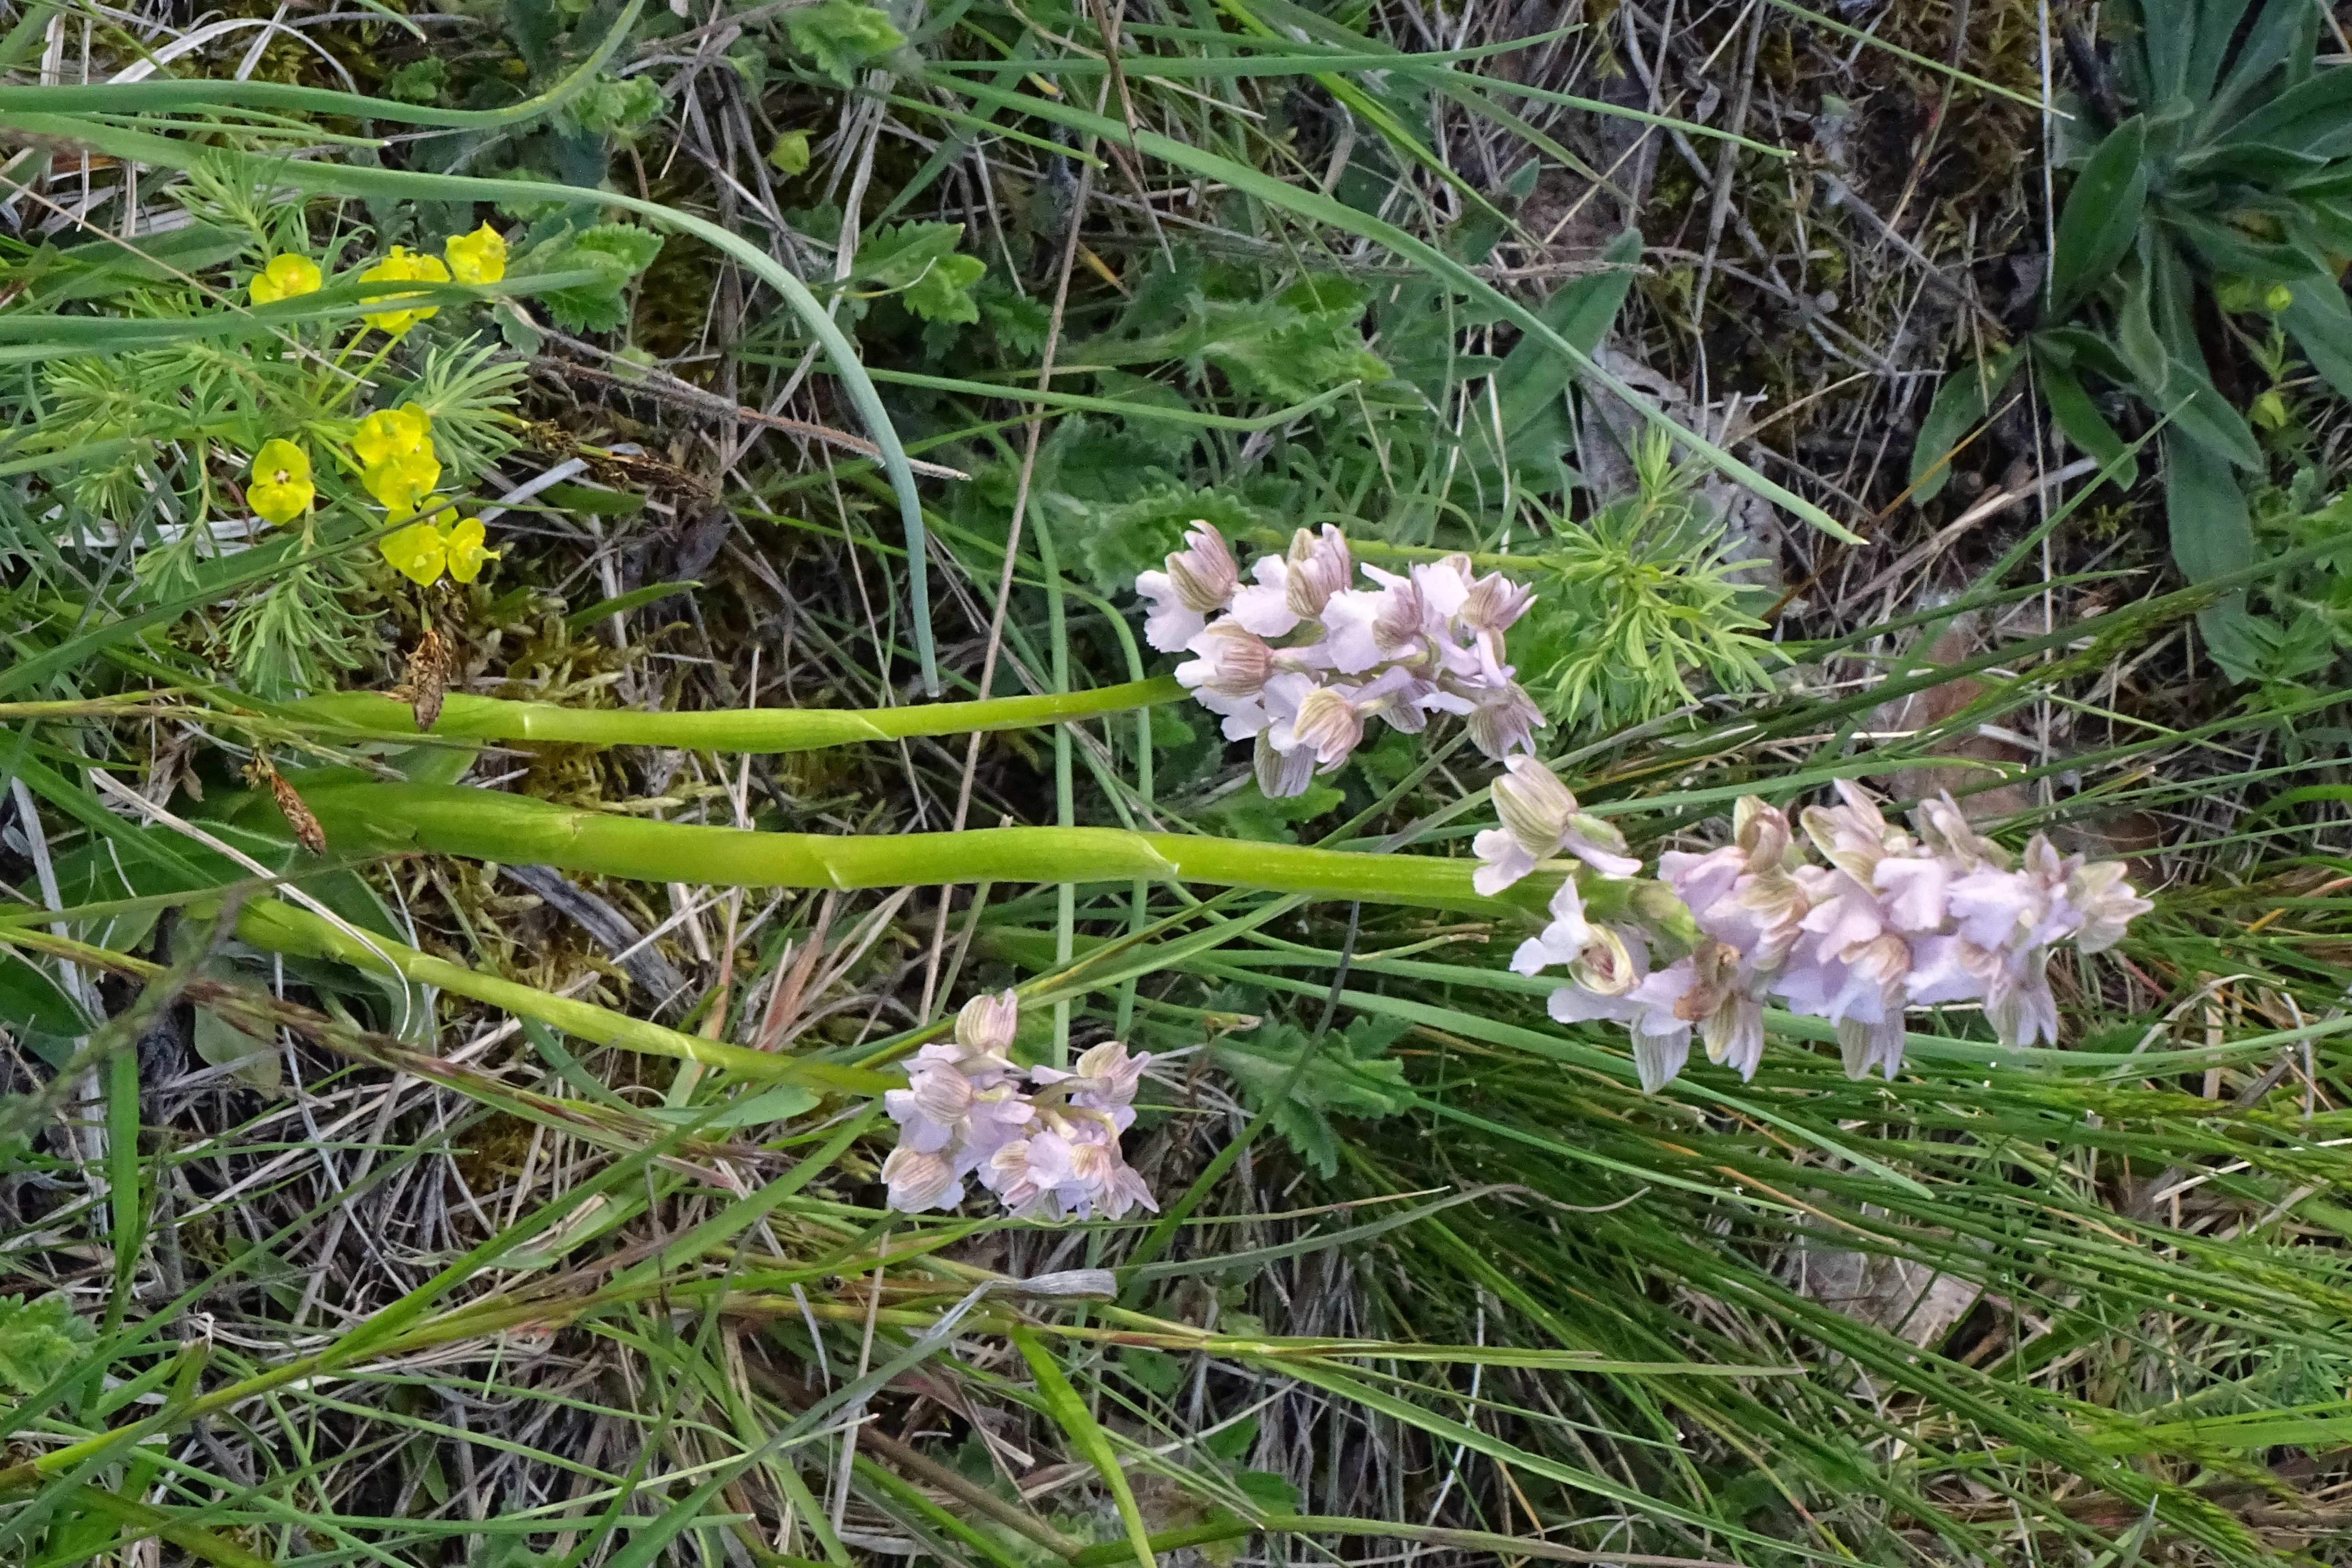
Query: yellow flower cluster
{"type": "Point", "coordinates": [394, 447]}
{"type": "Point", "coordinates": [403, 265]}
{"type": "Point", "coordinates": [423, 550]}
{"type": "Point", "coordinates": [476, 258]}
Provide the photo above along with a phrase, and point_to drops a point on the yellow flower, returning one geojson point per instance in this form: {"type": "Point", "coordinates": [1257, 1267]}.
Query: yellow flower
{"type": "Point", "coordinates": [477, 258]}
{"type": "Point", "coordinates": [280, 489]}
{"type": "Point", "coordinates": [417, 551]}
{"type": "Point", "coordinates": [401, 482]}
{"type": "Point", "coordinates": [393, 432]}
{"type": "Point", "coordinates": [402, 266]}
{"type": "Point", "coordinates": [285, 277]}
{"type": "Point", "coordinates": [422, 551]}
{"type": "Point", "coordinates": [466, 556]}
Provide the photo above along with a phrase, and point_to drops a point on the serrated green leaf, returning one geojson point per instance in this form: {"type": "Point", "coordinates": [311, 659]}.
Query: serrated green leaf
{"type": "Point", "coordinates": [1349, 1076]}
{"type": "Point", "coordinates": [618, 249]}
{"type": "Point", "coordinates": [842, 37]}
{"type": "Point", "coordinates": [615, 106]}
{"type": "Point", "coordinates": [39, 1339]}
{"type": "Point", "coordinates": [1120, 538]}
{"type": "Point", "coordinates": [943, 293]}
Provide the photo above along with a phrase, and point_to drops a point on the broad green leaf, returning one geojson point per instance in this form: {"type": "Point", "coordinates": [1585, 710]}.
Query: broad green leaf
{"type": "Point", "coordinates": [30, 1000]}
{"type": "Point", "coordinates": [2216, 21]}
{"type": "Point", "coordinates": [2200, 412]}
{"type": "Point", "coordinates": [2315, 117]}
{"type": "Point", "coordinates": [2101, 218]}
{"type": "Point", "coordinates": [2320, 320]}
{"type": "Point", "coordinates": [1530, 379]}
{"type": "Point", "coordinates": [2212, 535]}
{"type": "Point", "coordinates": [252, 1058]}
{"type": "Point", "coordinates": [2168, 36]}
{"type": "Point", "coordinates": [780, 1103]}
{"type": "Point", "coordinates": [2281, 34]}
{"type": "Point", "coordinates": [102, 267]}
{"type": "Point", "coordinates": [2136, 341]}
{"type": "Point", "coordinates": [1960, 407]}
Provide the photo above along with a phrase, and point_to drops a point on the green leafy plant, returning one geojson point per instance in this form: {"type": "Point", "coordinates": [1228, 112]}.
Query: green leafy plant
{"type": "Point", "coordinates": [1637, 601]}
{"type": "Point", "coordinates": [919, 263]}
{"type": "Point", "coordinates": [615, 253]}
{"type": "Point", "coordinates": [842, 36]}
{"type": "Point", "coordinates": [39, 1339]}
{"type": "Point", "coordinates": [2216, 175]}
{"type": "Point", "coordinates": [1300, 1085]}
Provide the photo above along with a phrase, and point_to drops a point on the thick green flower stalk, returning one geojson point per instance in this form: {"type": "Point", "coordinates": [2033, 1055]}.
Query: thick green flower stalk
{"type": "Point", "coordinates": [763, 730]}
{"type": "Point", "coordinates": [369, 819]}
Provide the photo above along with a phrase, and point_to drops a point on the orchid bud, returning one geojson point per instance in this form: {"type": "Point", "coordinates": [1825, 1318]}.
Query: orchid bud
{"type": "Point", "coordinates": [919, 1181]}
{"type": "Point", "coordinates": [1203, 572]}
{"type": "Point", "coordinates": [1534, 806]}
{"type": "Point", "coordinates": [1320, 567]}
{"type": "Point", "coordinates": [1761, 831]}
{"type": "Point", "coordinates": [1505, 721]}
{"type": "Point", "coordinates": [987, 1022]}
{"type": "Point", "coordinates": [1496, 601]}
{"type": "Point", "coordinates": [1281, 774]}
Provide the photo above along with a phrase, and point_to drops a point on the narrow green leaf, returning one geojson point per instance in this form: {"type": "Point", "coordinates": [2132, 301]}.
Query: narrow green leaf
{"type": "Point", "coordinates": [1070, 1413]}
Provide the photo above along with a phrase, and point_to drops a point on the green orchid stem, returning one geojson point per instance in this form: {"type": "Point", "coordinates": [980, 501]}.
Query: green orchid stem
{"type": "Point", "coordinates": [297, 933]}
{"type": "Point", "coordinates": [471, 718]}
{"type": "Point", "coordinates": [363, 819]}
